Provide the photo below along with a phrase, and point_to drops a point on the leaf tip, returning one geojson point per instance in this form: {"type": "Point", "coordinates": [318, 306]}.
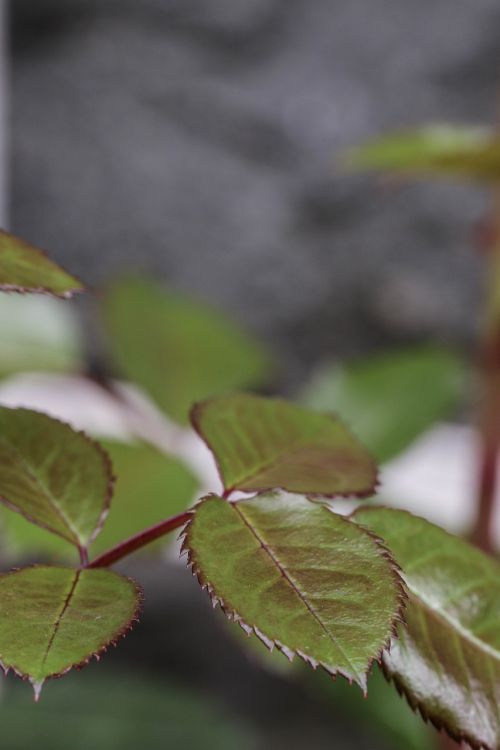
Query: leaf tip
{"type": "Point", "coordinates": [37, 686]}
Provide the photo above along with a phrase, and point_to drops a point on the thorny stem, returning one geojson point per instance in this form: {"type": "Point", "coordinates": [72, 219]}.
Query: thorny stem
{"type": "Point", "coordinates": [139, 540]}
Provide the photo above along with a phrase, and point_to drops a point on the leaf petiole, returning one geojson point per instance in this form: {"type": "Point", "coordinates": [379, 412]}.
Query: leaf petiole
{"type": "Point", "coordinates": [133, 543]}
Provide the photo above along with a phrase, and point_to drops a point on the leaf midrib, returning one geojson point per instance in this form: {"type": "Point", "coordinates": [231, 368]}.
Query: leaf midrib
{"type": "Point", "coordinates": [439, 614]}
{"type": "Point", "coordinates": [60, 616]}
{"type": "Point", "coordinates": [45, 491]}
{"type": "Point", "coordinates": [267, 548]}
{"type": "Point", "coordinates": [275, 460]}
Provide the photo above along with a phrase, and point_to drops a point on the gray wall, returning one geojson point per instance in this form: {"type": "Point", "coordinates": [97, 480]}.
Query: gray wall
{"type": "Point", "coordinates": [198, 140]}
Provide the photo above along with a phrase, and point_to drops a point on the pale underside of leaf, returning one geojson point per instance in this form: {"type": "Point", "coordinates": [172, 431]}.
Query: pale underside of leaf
{"type": "Point", "coordinates": [57, 478]}
{"type": "Point", "coordinates": [24, 268]}
{"type": "Point", "coordinates": [263, 444]}
{"type": "Point", "coordinates": [446, 660]}
{"type": "Point", "coordinates": [53, 619]}
{"type": "Point", "coordinates": [300, 577]}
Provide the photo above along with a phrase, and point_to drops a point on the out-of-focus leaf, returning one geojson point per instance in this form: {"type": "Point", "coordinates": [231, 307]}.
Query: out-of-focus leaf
{"type": "Point", "coordinates": [57, 478]}
{"type": "Point", "coordinates": [53, 619]}
{"type": "Point", "coordinates": [267, 443]}
{"type": "Point", "coordinates": [465, 152]}
{"type": "Point", "coordinates": [177, 350]}
{"type": "Point", "coordinates": [390, 399]}
{"type": "Point", "coordinates": [384, 713]}
{"type": "Point", "coordinates": [100, 710]}
{"type": "Point", "coordinates": [446, 660]}
{"type": "Point", "coordinates": [299, 576]}
{"type": "Point", "coordinates": [150, 487]}
{"type": "Point", "coordinates": [38, 333]}
{"type": "Point", "coordinates": [24, 268]}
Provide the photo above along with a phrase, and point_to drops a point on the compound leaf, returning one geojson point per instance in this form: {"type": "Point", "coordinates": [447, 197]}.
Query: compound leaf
{"type": "Point", "coordinates": [53, 619]}
{"type": "Point", "coordinates": [177, 350]}
{"type": "Point", "coordinates": [445, 150]}
{"type": "Point", "coordinates": [376, 396]}
{"type": "Point", "coordinates": [267, 443]}
{"type": "Point", "coordinates": [55, 477]}
{"type": "Point", "coordinates": [446, 660]}
{"type": "Point", "coordinates": [299, 576]}
{"type": "Point", "coordinates": [24, 268]}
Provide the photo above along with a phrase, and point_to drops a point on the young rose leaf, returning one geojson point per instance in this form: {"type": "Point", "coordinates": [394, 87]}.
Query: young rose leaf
{"type": "Point", "coordinates": [446, 660]}
{"type": "Point", "coordinates": [267, 443]}
{"type": "Point", "coordinates": [299, 576]}
{"type": "Point", "coordinates": [376, 396]}
{"type": "Point", "coordinates": [446, 150]}
{"type": "Point", "coordinates": [177, 350]}
{"type": "Point", "coordinates": [24, 268]}
{"type": "Point", "coordinates": [150, 486]}
{"type": "Point", "coordinates": [53, 619]}
{"type": "Point", "coordinates": [56, 477]}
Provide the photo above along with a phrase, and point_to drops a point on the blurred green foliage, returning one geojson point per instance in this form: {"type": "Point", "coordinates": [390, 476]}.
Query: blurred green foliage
{"type": "Point", "coordinates": [465, 152]}
{"type": "Point", "coordinates": [38, 333]}
{"type": "Point", "coordinates": [93, 711]}
{"type": "Point", "coordinates": [389, 399]}
{"type": "Point", "coordinates": [179, 351]}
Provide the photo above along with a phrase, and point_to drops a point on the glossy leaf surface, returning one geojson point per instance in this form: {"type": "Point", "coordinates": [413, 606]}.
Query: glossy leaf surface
{"type": "Point", "coordinates": [24, 268]}
{"type": "Point", "coordinates": [266, 443]}
{"type": "Point", "coordinates": [446, 150]}
{"type": "Point", "coordinates": [447, 659]}
{"type": "Point", "coordinates": [178, 351]}
{"type": "Point", "coordinates": [377, 396]}
{"type": "Point", "coordinates": [53, 619]}
{"type": "Point", "coordinates": [301, 577]}
{"type": "Point", "coordinates": [56, 477]}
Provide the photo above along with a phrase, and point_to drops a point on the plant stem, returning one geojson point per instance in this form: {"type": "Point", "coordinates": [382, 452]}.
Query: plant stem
{"type": "Point", "coordinates": [84, 556]}
{"type": "Point", "coordinates": [489, 418]}
{"type": "Point", "coordinates": [139, 540]}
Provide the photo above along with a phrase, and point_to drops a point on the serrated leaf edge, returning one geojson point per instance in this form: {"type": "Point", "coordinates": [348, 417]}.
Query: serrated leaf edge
{"type": "Point", "coordinates": [108, 466]}
{"type": "Point", "coordinates": [119, 635]}
{"type": "Point", "coordinates": [413, 704]}
{"type": "Point", "coordinates": [194, 418]}
{"type": "Point", "coordinates": [233, 616]}
{"type": "Point", "coordinates": [19, 289]}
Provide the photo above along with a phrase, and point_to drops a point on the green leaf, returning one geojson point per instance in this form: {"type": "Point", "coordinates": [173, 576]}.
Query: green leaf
{"type": "Point", "coordinates": [38, 333]}
{"type": "Point", "coordinates": [444, 150]}
{"type": "Point", "coordinates": [177, 350]}
{"type": "Point", "coordinates": [299, 576]}
{"type": "Point", "coordinates": [267, 443]}
{"type": "Point", "coordinates": [53, 619]}
{"type": "Point", "coordinates": [56, 477]}
{"type": "Point", "coordinates": [447, 658]}
{"type": "Point", "coordinates": [150, 487]}
{"type": "Point", "coordinates": [24, 268]}
{"type": "Point", "coordinates": [378, 397]}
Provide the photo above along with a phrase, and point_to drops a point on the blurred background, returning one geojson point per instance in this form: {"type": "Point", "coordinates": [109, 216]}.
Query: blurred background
{"type": "Point", "coordinates": [199, 142]}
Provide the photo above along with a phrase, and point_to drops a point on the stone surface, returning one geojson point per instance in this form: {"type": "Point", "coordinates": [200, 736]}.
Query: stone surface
{"type": "Point", "coordinates": [199, 141]}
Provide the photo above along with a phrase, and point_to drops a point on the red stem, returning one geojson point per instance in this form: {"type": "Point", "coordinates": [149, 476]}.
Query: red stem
{"type": "Point", "coordinates": [139, 540]}
{"type": "Point", "coordinates": [489, 428]}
